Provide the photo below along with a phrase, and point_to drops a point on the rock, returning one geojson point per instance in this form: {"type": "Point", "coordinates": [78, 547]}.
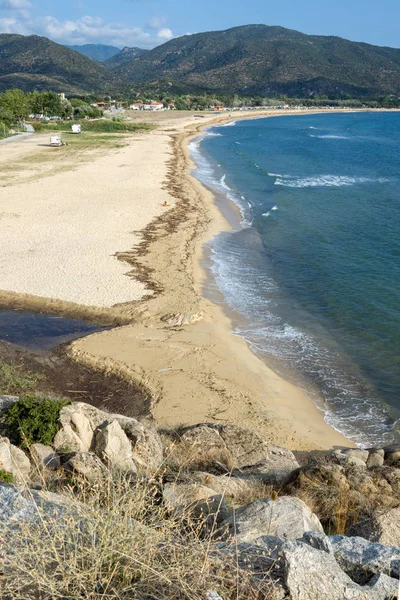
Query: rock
{"type": "Point", "coordinates": [66, 440]}
{"type": "Point", "coordinates": [147, 450]}
{"type": "Point", "coordinates": [198, 501]}
{"type": "Point", "coordinates": [236, 448]}
{"type": "Point", "coordinates": [17, 507]}
{"type": "Point", "coordinates": [375, 459]}
{"type": "Point", "coordinates": [285, 517]}
{"type": "Point", "coordinates": [21, 465]}
{"type": "Point", "coordinates": [361, 559]}
{"type": "Point", "coordinates": [356, 453]}
{"type": "Point", "coordinates": [5, 455]}
{"type": "Point", "coordinates": [113, 447]}
{"type": "Point", "coordinates": [14, 461]}
{"type": "Point", "coordinates": [238, 488]}
{"type": "Point", "coordinates": [227, 444]}
{"type": "Point", "coordinates": [44, 456]}
{"type": "Point", "coordinates": [381, 587]}
{"type": "Point", "coordinates": [278, 465]}
{"type": "Point", "coordinates": [383, 528]}
{"type": "Point", "coordinates": [73, 417]}
{"type": "Point", "coordinates": [314, 575]}
{"type": "Point", "coordinates": [392, 454]}
{"type": "Point", "coordinates": [393, 458]}
{"type": "Point", "coordinates": [6, 402]}
{"type": "Point", "coordinates": [351, 456]}
{"type": "Point", "coordinates": [88, 465]}
{"type": "Point", "coordinates": [318, 540]}
{"type": "Point", "coordinates": [80, 422]}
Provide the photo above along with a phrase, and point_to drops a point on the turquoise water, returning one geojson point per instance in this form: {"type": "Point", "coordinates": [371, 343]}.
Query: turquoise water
{"type": "Point", "coordinates": [313, 272]}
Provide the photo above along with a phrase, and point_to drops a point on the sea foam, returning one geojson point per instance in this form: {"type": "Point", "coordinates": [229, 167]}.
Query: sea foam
{"type": "Point", "coordinates": [292, 181]}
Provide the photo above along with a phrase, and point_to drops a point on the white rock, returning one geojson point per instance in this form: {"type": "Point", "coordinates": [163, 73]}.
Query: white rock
{"type": "Point", "coordinates": [5, 455]}
{"type": "Point", "coordinates": [286, 517]}
{"type": "Point", "coordinates": [113, 447]}
{"type": "Point", "coordinates": [21, 465]}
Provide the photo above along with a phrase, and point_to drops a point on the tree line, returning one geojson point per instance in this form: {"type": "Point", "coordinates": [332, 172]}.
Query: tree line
{"type": "Point", "coordinates": [16, 106]}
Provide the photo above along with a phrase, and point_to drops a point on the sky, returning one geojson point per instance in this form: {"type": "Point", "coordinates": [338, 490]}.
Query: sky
{"type": "Point", "coordinates": [149, 23]}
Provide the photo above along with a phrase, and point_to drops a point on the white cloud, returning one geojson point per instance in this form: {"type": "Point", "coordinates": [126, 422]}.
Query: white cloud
{"type": "Point", "coordinates": [15, 4]}
{"type": "Point", "coordinates": [165, 34]}
{"type": "Point", "coordinates": [84, 30]}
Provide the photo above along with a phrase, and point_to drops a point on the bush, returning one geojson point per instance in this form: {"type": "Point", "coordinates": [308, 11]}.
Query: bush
{"type": "Point", "coordinates": [33, 420]}
{"type": "Point", "coordinates": [6, 477]}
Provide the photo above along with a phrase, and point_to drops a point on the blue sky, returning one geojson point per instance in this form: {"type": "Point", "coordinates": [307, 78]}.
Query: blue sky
{"type": "Point", "coordinates": [148, 23]}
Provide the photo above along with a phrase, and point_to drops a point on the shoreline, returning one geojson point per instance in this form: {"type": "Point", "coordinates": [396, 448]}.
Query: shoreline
{"type": "Point", "coordinates": [244, 390]}
{"type": "Point", "coordinates": [175, 342]}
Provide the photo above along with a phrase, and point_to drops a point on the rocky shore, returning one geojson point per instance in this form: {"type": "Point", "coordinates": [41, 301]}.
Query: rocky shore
{"type": "Point", "coordinates": [256, 520]}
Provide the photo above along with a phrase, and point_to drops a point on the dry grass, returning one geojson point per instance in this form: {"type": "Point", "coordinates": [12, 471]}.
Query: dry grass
{"type": "Point", "coordinates": [117, 541]}
{"type": "Point", "coordinates": [16, 379]}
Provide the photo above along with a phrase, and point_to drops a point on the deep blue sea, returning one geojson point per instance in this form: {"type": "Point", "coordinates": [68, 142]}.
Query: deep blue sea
{"type": "Point", "coordinates": [312, 273]}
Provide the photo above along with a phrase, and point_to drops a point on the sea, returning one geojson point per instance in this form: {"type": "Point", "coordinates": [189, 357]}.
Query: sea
{"type": "Point", "coordinates": [310, 272]}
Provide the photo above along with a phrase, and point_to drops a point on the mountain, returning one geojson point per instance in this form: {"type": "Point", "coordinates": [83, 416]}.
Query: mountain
{"type": "Point", "coordinates": [33, 62]}
{"type": "Point", "coordinates": [97, 51]}
{"type": "Point", "coordinates": [262, 60]}
{"type": "Point", "coordinates": [124, 56]}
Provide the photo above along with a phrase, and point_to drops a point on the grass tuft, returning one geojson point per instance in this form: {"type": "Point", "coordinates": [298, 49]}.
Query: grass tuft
{"type": "Point", "coordinates": [15, 379]}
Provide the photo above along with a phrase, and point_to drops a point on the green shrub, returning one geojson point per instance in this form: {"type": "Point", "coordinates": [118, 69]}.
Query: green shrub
{"type": "Point", "coordinates": [6, 477]}
{"type": "Point", "coordinates": [33, 420]}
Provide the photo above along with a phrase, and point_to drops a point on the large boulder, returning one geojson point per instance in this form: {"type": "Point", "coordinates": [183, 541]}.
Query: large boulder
{"type": "Point", "coordinates": [80, 423]}
{"type": "Point", "coordinates": [284, 517]}
{"type": "Point", "coordinates": [18, 506]}
{"type": "Point", "coordinates": [314, 575]}
{"type": "Point", "coordinates": [361, 559]}
{"type": "Point", "coordinates": [383, 528]}
{"type": "Point", "coordinates": [305, 572]}
{"type": "Point", "coordinates": [200, 446]}
{"type": "Point", "coordinates": [113, 447]}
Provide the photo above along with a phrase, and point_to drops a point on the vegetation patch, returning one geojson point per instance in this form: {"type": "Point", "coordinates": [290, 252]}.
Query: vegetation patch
{"type": "Point", "coordinates": [33, 420]}
{"type": "Point", "coordinates": [6, 476]}
{"type": "Point", "coordinates": [98, 126]}
{"type": "Point", "coordinates": [15, 379]}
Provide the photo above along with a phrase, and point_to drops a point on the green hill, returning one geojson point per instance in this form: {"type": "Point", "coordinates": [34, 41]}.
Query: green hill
{"type": "Point", "coordinates": [98, 52]}
{"type": "Point", "coordinates": [124, 56]}
{"type": "Point", "coordinates": [262, 60]}
{"type": "Point", "coordinates": [33, 62]}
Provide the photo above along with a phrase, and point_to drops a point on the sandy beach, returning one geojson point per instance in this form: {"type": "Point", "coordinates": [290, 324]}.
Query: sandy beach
{"type": "Point", "coordinates": [94, 239]}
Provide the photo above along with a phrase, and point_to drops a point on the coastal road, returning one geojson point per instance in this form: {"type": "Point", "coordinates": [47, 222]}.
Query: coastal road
{"type": "Point", "coordinates": [29, 130]}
